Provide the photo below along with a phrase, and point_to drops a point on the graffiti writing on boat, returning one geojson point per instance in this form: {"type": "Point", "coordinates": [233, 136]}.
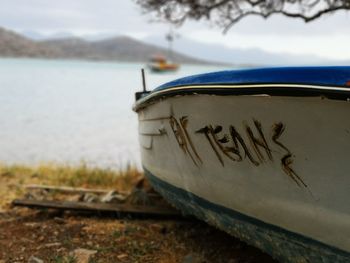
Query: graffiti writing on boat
{"type": "Point", "coordinates": [183, 138]}
{"type": "Point", "coordinates": [231, 145]}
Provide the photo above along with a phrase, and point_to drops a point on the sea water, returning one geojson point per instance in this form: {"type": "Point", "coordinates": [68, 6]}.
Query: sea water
{"type": "Point", "coordinates": [73, 111]}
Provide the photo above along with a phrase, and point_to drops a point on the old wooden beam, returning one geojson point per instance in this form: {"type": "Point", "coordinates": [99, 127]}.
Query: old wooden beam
{"type": "Point", "coordinates": [118, 209]}
{"type": "Point", "coordinates": [70, 190]}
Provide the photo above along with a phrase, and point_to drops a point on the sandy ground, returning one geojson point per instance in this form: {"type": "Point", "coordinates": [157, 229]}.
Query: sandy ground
{"type": "Point", "coordinates": [55, 236]}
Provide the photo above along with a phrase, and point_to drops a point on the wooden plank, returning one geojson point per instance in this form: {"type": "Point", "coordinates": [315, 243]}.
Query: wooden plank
{"type": "Point", "coordinates": [70, 190]}
{"type": "Point", "coordinates": [150, 211]}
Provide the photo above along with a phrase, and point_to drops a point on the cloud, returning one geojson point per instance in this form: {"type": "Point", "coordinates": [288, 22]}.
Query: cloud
{"type": "Point", "coordinates": [280, 25]}
{"type": "Point", "coordinates": [331, 47]}
{"type": "Point", "coordinates": [327, 37]}
{"type": "Point", "coordinates": [72, 16]}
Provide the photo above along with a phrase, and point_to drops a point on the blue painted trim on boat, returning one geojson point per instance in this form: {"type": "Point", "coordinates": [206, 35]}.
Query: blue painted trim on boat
{"type": "Point", "coordinates": [323, 76]}
{"type": "Point", "coordinates": [326, 82]}
{"type": "Point", "coordinates": [270, 238]}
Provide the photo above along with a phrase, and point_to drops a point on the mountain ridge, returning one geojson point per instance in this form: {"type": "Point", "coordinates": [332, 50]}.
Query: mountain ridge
{"type": "Point", "coordinates": [120, 48]}
{"type": "Point", "coordinates": [126, 49]}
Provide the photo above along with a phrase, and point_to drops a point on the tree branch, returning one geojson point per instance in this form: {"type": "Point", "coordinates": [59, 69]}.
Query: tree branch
{"type": "Point", "coordinates": [226, 13]}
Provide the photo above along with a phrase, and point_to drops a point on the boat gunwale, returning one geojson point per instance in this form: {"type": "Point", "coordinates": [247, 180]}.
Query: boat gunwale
{"type": "Point", "coordinates": [269, 89]}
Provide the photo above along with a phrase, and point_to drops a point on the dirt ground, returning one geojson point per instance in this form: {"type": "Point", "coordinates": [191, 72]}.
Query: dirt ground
{"type": "Point", "coordinates": [55, 236]}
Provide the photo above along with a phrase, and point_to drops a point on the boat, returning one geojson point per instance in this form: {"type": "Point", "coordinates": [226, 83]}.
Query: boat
{"type": "Point", "coordinates": [160, 64]}
{"type": "Point", "coordinates": [262, 154]}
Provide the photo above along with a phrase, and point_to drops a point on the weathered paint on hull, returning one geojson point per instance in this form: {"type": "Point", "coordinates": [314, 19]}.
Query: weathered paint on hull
{"type": "Point", "coordinates": [283, 245]}
{"type": "Point", "coordinates": [280, 162]}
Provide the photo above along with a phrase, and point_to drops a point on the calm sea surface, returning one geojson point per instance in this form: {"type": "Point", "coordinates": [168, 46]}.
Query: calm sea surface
{"type": "Point", "coordinates": [69, 112]}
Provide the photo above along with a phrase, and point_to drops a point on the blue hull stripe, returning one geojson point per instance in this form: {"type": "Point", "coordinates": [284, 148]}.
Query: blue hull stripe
{"type": "Point", "coordinates": [282, 244]}
{"type": "Point", "coordinates": [323, 76]}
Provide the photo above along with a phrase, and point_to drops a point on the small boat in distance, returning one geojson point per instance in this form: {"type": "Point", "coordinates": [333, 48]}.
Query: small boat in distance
{"type": "Point", "coordinates": [262, 154]}
{"type": "Point", "coordinates": [159, 63]}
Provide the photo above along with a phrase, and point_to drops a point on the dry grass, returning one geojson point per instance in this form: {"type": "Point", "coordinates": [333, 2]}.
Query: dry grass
{"type": "Point", "coordinates": [13, 177]}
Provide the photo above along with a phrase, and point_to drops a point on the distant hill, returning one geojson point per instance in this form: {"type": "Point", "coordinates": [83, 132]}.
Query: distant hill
{"type": "Point", "coordinates": [113, 49]}
{"type": "Point", "coordinates": [118, 48]}
{"type": "Point", "coordinates": [121, 48]}
{"type": "Point", "coordinates": [15, 45]}
{"type": "Point", "coordinates": [240, 56]}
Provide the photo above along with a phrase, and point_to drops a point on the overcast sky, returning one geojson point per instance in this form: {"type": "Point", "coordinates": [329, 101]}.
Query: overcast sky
{"type": "Point", "coordinates": [328, 37]}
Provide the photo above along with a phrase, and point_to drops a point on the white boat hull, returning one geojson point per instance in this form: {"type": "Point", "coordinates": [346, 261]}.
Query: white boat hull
{"type": "Point", "coordinates": [271, 170]}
